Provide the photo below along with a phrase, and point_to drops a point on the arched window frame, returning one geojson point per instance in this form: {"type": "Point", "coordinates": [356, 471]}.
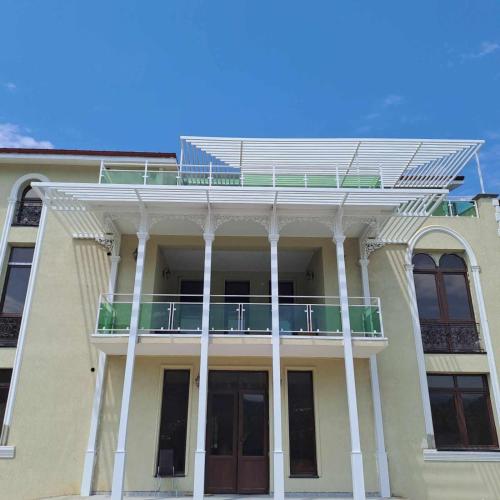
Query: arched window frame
{"type": "Point", "coordinates": [439, 274]}
{"type": "Point", "coordinates": [28, 210]}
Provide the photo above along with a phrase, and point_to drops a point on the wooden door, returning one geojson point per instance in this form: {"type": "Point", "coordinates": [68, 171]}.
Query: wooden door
{"type": "Point", "coordinates": [237, 459]}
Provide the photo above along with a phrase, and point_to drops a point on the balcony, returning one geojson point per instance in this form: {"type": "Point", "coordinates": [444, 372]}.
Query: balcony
{"type": "Point", "coordinates": [451, 338]}
{"type": "Point", "coordinates": [239, 325]}
{"type": "Point", "coordinates": [222, 175]}
{"type": "Point", "coordinates": [9, 329]}
{"type": "Point", "coordinates": [456, 207]}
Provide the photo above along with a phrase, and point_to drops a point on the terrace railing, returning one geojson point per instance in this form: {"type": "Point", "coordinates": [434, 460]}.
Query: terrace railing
{"type": "Point", "coordinates": [456, 207]}
{"type": "Point", "coordinates": [222, 175]}
{"type": "Point", "coordinates": [231, 315]}
{"type": "Point", "coordinates": [452, 338]}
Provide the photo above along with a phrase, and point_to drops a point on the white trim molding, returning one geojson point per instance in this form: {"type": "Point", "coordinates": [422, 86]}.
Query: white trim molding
{"type": "Point", "coordinates": [7, 452]}
{"type": "Point", "coordinates": [461, 456]}
{"type": "Point", "coordinates": [483, 318]}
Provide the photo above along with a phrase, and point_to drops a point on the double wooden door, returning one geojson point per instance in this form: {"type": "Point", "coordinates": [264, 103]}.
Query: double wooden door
{"type": "Point", "coordinates": [237, 459]}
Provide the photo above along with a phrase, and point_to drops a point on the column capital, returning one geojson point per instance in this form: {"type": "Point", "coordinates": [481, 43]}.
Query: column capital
{"type": "Point", "coordinates": [364, 261]}
{"type": "Point", "coordinates": [339, 239]}
{"type": "Point", "coordinates": [209, 236]}
{"type": "Point", "coordinates": [143, 235]}
{"type": "Point", "coordinates": [273, 237]}
{"type": "Point", "coordinates": [409, 267]}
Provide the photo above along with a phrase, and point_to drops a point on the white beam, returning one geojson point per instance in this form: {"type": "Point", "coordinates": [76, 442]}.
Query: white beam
{"type": "Point", "coordinates": [199, 457]}
{"type": "Point", "coordinates": [120, 453]}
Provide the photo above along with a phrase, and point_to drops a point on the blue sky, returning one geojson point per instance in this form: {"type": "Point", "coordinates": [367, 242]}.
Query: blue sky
{"type": "Point", "coordinates": [138, 74]}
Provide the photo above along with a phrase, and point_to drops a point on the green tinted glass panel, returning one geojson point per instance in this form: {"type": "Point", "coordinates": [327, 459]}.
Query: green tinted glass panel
{"type": "Point", "coordinates": [114, 316]}
{"type": "Point", "coordinates": [326, 319]}
{"type": "Point", "coordinates": [123, 177]}
{"type": "Point", "coordinates": [322, 181]}
{"type": "Point", "coordinates": [290, 180]}
{"type": "Point", "coordinates": [224, 318]}
{"type": "Point", "coordinates": [293, 318]}
{"type": "Point", "coordinates": [187, 317]}
{"type": "Point", "coordinates": [464, 208]}
{"type": "Point", "coordinates": [225, 179]}
{"type": "Point", "coordinates": [257, 318]}
{"type": "Point", "coordinates": [154, 316]}
{"type": "Point", "coordinates": [258, 180]}
{"type": "Point", "coordinates": [162, 178]}
{"type": "Point", "coordinates": [364, 319]}
{"type": "Point", "coordinates": [441, 210]}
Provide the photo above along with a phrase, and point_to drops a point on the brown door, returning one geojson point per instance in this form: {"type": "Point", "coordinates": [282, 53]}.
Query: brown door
{"type": "Point", "coordinates": [237, 433]}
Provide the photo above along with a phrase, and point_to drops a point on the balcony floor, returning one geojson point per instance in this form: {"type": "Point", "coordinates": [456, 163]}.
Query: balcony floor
{"type": "Point", "coordinates": [240, 345]}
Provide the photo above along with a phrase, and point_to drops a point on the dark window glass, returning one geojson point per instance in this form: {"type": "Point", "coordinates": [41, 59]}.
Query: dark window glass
{"type": "Point", "coordinates": [222, 424]}
{"type": "Point", "coordinates": [191, 288]}
{"type": "Point", "coordinates": [254, 424]}
{"type": "Point", "coordinates": [302, 430]}
{"type": "Point", "coordinates": [29, 194]}
{"type": "Point", "coordinates": [174, 414]}
{"type": "Point", "coordinates": [5, 375]}
{"type": "Point", "coordinates": [423, 261]}
{"type": "Point", "coordinates": [427, 296]}
{"type": "Point", "coordinates": [461, 412]}
{"type": "Point", "coordinates": [457, 296]}
{"type": "Point", "coordinates": [451, 261]}
{"type": "Point", "coordinates": [16, 281]}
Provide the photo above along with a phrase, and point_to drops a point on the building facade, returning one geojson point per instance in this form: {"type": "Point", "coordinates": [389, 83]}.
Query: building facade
{"type": "Point", "coordinates": [255, 316]}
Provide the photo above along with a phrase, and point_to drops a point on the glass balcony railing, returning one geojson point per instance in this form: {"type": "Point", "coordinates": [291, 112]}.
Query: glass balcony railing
{"type": "Point", "coordinates": [221, 175]}
{"type": "Point", "coordinates": [228, 315]}
{"type": "Point", "coordinates": [456, 208]}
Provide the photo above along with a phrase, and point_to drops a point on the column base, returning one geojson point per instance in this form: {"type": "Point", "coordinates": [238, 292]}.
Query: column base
{"type": "Point", "coordinates": [358, 481]}
{"type": "Point", "coordinates": [88, 467]}
{"type": "Point", "coordinates": [199, 475]}
{"type": "Point", "coordinates": [383, 474]}
{"type": "Point", "coordinates": [279, 475]}
{"type": "Point", "coordinates": [118, 474]}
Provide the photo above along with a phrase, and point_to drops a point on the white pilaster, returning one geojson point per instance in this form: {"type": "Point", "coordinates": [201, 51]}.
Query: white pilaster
{"type": "Point", "coordinates": [9, 407]}
{"type": "Point", "coordinates": [358, 482]}
{"type": "Point", "coordinates": [382, 463]}
{"type": "Point", "coordinates": [11, 208]}
{"type": "Point", "coordinates": [199, 456]}
{"type": "Point", "coordinates": [90, 453]}
{"type": "Point", "coordinates": [278, 464]}
{"type": "Point", "coordinates": [419, 349]}
{"type": "Point", "coordinates": [485, 333]}
{"type": "Point", "coordinates": [120, 453]}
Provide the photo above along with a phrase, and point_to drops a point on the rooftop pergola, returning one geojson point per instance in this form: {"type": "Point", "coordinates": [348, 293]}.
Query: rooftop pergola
{"type": "Point", "coordinates": [412, 163]}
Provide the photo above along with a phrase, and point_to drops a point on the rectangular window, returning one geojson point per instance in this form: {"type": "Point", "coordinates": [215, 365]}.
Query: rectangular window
{"type": "Point", "coordinates": [461, 412]}
{"type": "Point", "coordinates": [301, 424]}
{"type": "Point", "coordinates": [174, 415]}
{"type": "Point", "coordinates": [5, 375]}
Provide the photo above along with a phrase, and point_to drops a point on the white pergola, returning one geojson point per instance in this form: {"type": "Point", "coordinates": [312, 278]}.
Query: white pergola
{"type": "Point", "coordinates": [412, 163]}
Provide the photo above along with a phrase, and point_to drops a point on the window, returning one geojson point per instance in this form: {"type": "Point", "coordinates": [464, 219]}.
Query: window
{"type": "Point", "coordinates": [301, 423]}
{"type": "Point", "coordinates": [445, 305]}
{"type": "Point", "coordinates": [14, 294]}
{"type": "Point", "coordinates": [174, 414]}
{"type": "Point", "coordinates": [5, 375]}
{"type": "Point", "coordinates": [28, 209]}
{"type": "Point", "coordinates": [461, 412]}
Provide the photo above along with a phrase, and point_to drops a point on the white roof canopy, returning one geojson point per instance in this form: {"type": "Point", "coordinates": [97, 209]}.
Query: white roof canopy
{"type": "Point", "coordinates": [412, 163]}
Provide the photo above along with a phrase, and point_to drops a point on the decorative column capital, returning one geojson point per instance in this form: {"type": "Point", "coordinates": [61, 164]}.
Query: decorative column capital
{"type": "Point", "coordinates": [364, 261]}
{"type": "Point", "coordinates": [143, 235]}
{"type": "Point", "coordinates": [273, 237]}
{"type": "Point", "coordinates": [208, 236]}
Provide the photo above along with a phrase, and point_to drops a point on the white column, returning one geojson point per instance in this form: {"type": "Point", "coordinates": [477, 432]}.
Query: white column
{"type": "Point", "coordinates": [11, 208]}
{"type": "Point", "coordinates": [358, 482]}
{"type": "Point", "coordinates": [419, 349]}
{"type": "Point", "coordinates": [90, 453]}
{"type": "Point", "coordinates": [485, 332]}
{"type": "Point", "coordinates": [382, 464]}
{"type": "Point", "coordinates": [9, 407]}
{"type": "Point", "coordinates": [278, 465]}
{"type": "Point", "coordinates": [199, 456]}
{"type": "Point", "coordinates": [120, 453]}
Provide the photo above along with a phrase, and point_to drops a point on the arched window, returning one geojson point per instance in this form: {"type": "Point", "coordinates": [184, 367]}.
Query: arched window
{"type": "Point", "coordinates": [444, 304]}
{"type": "Point", "coordinates": [28, 208]}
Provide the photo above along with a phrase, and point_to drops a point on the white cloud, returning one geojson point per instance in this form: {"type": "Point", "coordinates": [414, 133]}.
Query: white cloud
{"type": "Point", "coordinates": [10, 86]}
{"type": "Point", "coordinates": [13, 136]}
{"type": "Point", "coordinates": [486, 48]}
{"type": "Point", "coordinates": [393, 100]}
